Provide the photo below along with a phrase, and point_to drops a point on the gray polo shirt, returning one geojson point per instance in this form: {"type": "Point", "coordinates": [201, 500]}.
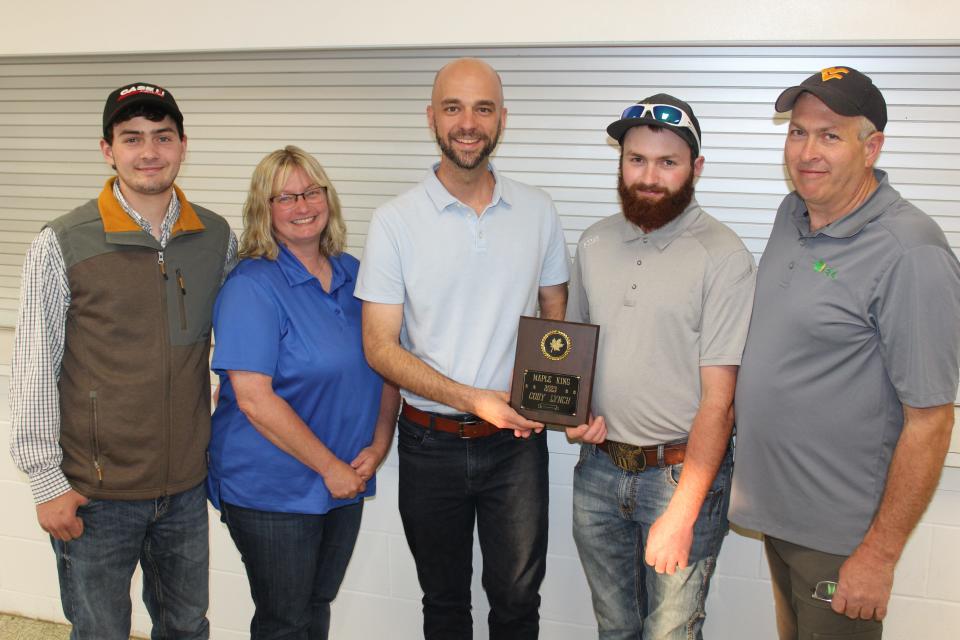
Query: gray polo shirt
{"type": "Point", "coordinates": [667, 302]}
{"type": "Point", "coordinates": [464, 280]}
{"type": "Point", "coordinates": [849, 322]}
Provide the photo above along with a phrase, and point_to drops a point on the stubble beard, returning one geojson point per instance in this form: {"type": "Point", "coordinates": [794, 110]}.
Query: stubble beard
{"type": "Point", "coordinates": [143, 185]}
{"type": "Point", "coordinates": [465, 161]}
{"type": "Point", "coordinates": [652, 214]}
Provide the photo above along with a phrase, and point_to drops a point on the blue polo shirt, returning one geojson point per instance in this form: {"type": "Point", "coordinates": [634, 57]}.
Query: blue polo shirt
{"type": "Point", "coordinates": [273, 317]}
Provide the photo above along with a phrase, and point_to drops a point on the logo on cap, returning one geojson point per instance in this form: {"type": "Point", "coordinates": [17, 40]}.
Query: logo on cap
{"type": "Point", "coordinates": [141, 88]}
{"type": "Point", "coordinates": [833, 73]}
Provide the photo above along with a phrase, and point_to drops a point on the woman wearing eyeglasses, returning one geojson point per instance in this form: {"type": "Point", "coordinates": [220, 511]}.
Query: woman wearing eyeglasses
{"type": "Point", "coordinates": [302, 421]}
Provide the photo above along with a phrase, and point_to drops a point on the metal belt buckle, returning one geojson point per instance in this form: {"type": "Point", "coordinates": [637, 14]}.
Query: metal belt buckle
{"type": "Point", "coordinates": [467, 423]}
{"type": "Point", "coordinates": [627, 457]}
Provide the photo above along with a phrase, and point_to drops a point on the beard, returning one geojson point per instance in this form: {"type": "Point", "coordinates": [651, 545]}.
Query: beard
{"type": "Point", "coordinates": [465, 161]}
{"type": "Point", "coordinates": [652, 214]}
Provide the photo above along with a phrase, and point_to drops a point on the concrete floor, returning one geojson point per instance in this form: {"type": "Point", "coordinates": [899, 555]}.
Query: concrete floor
{"type": "Point", "coordinates": [16, 628]}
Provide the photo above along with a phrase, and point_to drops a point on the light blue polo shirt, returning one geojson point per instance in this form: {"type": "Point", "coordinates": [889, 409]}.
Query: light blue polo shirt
{"type": "Point", "coordinates": [273, 317]}
{"type": "Point", "coordinates": [464, 280]}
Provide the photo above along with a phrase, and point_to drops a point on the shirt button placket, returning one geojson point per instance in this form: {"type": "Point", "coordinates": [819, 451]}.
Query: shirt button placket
{"type": "Point", "coordinates": [633, 288]}
{"type": "Point", "coordinates": [480, 241]}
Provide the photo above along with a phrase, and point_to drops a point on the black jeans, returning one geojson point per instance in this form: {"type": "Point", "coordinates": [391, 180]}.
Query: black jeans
{"type": "Point", "coordinates": [295, 563]}
{"type": "Point", "coordinates": [500, 482]}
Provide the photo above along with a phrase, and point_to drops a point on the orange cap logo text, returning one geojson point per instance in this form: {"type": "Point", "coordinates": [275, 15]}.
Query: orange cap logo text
{"type": "Point", "coordinates": [833, 73]}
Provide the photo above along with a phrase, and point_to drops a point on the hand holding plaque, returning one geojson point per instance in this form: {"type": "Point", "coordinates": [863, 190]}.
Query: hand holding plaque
{"type": "Point", "coordinates": [553, 371]}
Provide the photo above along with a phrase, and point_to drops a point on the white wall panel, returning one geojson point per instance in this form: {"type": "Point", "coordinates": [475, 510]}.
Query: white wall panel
{"type": "Point", "coordinates": [66, 27]}
{"type": "Point", "coordinates": [361, 112]}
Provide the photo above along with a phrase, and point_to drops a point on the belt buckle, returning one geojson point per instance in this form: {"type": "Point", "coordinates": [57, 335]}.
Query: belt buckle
{"type": "Point", "coordinates": [467, 423]}
{"type": "Point", "coordinates": [626, 457]}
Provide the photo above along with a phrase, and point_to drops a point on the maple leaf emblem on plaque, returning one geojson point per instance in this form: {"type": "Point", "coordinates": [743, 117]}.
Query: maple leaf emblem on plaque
{"type": "Point", "coordinates": [555, 345]}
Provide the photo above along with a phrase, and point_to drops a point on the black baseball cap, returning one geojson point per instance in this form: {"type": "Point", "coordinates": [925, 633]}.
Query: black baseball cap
{"type": "Point", "coordinates": [631, 118]}
{"type": "Point", "coordinates": [845, 90]}
{"type": "Point", "coordinates": [139, 93]}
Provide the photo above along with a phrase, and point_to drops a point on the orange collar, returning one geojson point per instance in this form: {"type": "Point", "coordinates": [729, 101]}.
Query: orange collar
{"type": "Point", "coordinates": [116, 220]}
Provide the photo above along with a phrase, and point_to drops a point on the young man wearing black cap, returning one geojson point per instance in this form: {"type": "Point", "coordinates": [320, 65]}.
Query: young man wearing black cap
{"type": "Point", "coordinates": [671, 289]}
{"type": "Point", "coordinates": [845, 397]}
{"type": "Point", "coordinates": [110, 389]}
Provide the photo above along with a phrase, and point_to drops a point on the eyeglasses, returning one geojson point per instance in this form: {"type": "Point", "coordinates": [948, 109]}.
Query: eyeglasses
{"type": "Point", "coordinates": [315, 195]}
{"type": "Point", "coordinates": [824, 590]}
{"type": "Point", "coordinates": [665, 113]}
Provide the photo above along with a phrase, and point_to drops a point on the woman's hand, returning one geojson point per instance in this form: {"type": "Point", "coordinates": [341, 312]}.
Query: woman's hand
{"type": "Point", "coordinates": [342, 480]}
{"type": "Point", "coordinates": [368, 461]}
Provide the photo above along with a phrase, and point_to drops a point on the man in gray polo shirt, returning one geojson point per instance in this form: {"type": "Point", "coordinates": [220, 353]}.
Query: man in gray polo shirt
{"type": "Point", "coordinates": [845, 398]}
{"type": "Point", "coordinates": [671, 289]}
{"type": "Point", "coordinates": [448, 269]}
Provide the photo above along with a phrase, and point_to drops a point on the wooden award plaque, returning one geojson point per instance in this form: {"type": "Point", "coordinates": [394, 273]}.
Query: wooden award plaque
{"type": "Point", "coordinates": [553, 371]}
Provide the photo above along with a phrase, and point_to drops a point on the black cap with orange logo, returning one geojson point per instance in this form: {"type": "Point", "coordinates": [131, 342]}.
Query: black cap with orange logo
{"type": "Point", "coordinates": [845, 90]}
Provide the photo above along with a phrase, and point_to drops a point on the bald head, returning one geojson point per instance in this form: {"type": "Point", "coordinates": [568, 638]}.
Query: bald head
{"type": "Point", "coordinates": [466, 113]}
{"type": "Point", "coordinates": [467, 71]}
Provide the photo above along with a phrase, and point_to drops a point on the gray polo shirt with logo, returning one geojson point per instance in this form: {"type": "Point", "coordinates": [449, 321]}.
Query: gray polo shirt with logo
{"type": "Point", "coordinates": [850, 323]}
{"type": "Point", "coordinates": [667, 302]}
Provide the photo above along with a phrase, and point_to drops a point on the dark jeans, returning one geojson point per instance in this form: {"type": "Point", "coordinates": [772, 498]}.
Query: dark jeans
{"type": "Point", "coordinates": [794, 571]}
{"type": "Point", "coordinates": [168, 537]}
{"type": "Point", "coordinates": [295, 563]}
{"type": "Point", "coordinates": [501, 482]}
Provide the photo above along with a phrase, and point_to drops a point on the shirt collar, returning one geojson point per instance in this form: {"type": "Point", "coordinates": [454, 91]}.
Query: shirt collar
{"type": "Point", "coordinates": [442, 199]}
{"type": "Point", "coordinates": [666, 234]}
{"type": "Point", "coordinates": [297, 274]}
{"type": "Point", "coordinates": [169, 218]}
{"type": "Point", "coordinates": [117, 220]}
{"type": "Point", "coordinates": [850, 224]}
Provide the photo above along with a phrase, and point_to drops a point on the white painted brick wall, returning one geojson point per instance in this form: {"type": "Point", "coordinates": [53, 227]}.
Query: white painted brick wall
{"type": "Point", "coordinates": [380, 596]}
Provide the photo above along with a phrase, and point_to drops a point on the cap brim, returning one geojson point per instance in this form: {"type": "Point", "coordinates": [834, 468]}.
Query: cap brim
{"type": "Point", "coordinates": [619, 128]}
{"type": "Point", "coordinates": [836, 101]}
{"type": "Point", "coordinates": [788, 98]}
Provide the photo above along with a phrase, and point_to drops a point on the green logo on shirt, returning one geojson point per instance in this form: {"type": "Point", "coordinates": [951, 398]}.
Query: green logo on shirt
{"type": "Point", "coordinates": [821, 267]}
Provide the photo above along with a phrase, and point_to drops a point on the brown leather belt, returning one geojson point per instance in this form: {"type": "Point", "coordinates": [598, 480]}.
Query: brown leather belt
{"type": "Point", "coordinates": [466, 426]}
{"type": "Point", "coordinates": [635, 459]}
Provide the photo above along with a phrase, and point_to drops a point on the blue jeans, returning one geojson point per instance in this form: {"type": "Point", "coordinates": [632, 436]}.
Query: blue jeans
{"type": "Point", "coordinates": [168, 537]}
{"type": "Point", "coordinates": [613, 511]}
{"type": "Point", "coordinates": [295, 563]}
{"type": "Point", "coordinates": [501, 482]}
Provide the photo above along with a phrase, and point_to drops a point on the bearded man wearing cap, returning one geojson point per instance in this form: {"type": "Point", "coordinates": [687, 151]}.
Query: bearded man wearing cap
{"type": "Point", "coordinates": [846, 392]}
{"type": "Point", "coordinates": [110, 386]}
{"type": "Point", "coordinates": [671, 288]}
